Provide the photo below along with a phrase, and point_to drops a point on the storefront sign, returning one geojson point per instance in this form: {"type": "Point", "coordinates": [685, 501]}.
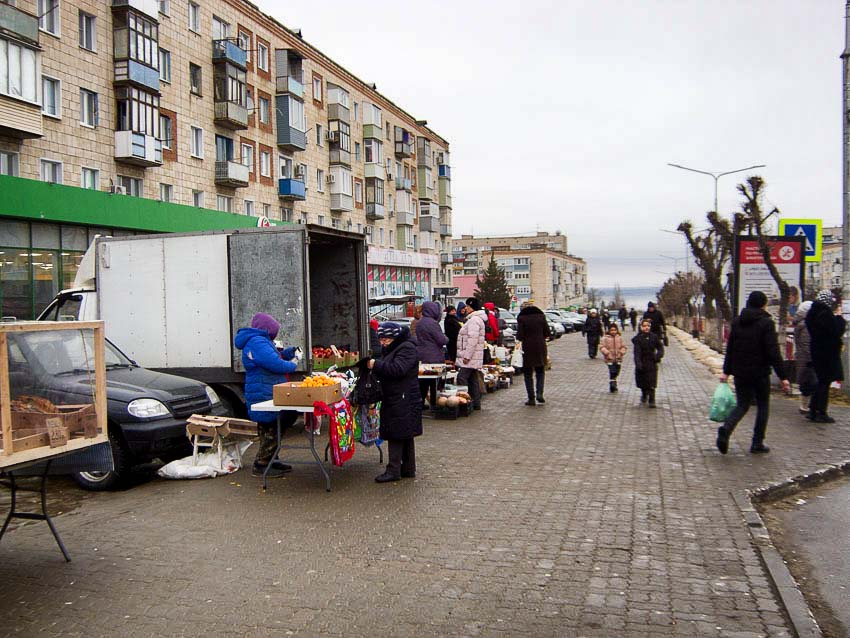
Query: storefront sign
{"type": "Point", "coordinates": [751, 273]}
{"type": "Point", "coordinates": [390, 257]}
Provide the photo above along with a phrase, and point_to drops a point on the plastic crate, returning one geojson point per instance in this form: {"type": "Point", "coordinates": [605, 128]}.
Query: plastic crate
{"type": "Point", "coordinates": [464, 409]}
{"type": "Point", "coordinates": [446, 412]}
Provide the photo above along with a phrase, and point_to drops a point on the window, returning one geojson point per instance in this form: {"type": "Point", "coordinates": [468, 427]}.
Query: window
{"type": "Point", "coordinates": [358, 191]}
{"type": "Point", "coordinates": [223, 149]}
{"type": "Point", "coordinates": [388, 131]}
{"type": "Point", "coordinates": [373, 150]}
{"type": "Point", "coordinates": [321, 220]}
{"type": "Point", "coordinates": [318, 96]}
{"type": "Point", "coordinates": [248, 157]}
{"type": "Point", "coordinates": [342, 182]}
{"type": "Point", "coordinates": [51, 91]}
{"type": "Point", "coordinates": [88, 31]}
{"type": "Point", "coordinates": [286, 214]}
{"type": "Point", "coordinates": [297, 120]}
{"type": "Point", "coordinates": [355, 111]}
{"type": "Point", "coordinates": [165, 7]}
{"type": "Point", "coordinates": [196, 143]}
{"type": "Point", "coordinates": [224, 203]}
{"type": "Point", "coordinates": [166, 132]}
{"type": "Point", "coordinates": [262, 56]}
{"type": "Point", "coordinates": [48, 12]}
{"type": "Point", "coordinates": [248, 205]}
{"type": "Point", "coordinates": [8, 163]}
{"type": "Point", "coordinates": [18, 71]}
{"type": "Point", "coordinates": [220, 29]}
{"type": "Point", "coordinates": [286, 167]}
{"type": "Point", "coordinates": [165, 65]}
{"type": "Point", "coordinates": [136, 37]}
{"type": "Point", "coordinates": [198, 199]}
{"type": "Point", "coordinates": [166, 193]}
{"type": "Point", "coordinates": [374, 191]}
{"type": "Point", "coordinates": [194, 19]}
{"type": "Point", "coordinates": [381, 236]}
{"type": "Point", "coordinates": [90, 178]}
{"type": "Point", "coordinates": [267, 211]}
{"type": "Point", "coordinates": [320, 180]}
{"type": "Point", "coordinates": [359, 228]}
{"type": "Point", "coordinates": [265, 163]}
{"type": "Point", "coordinates": [371, 114]}
{"type": "Point", "coordinates": [336, 223]}
{"type": "Point", "coordinates": [370, 232]}
{"type": "Point", "coordinates": [319, 134]}
{"type": "Point", "coordinates": [132, 185]}
{"type": "Point", "coordinates": [391, 238]}
{"type": "Point", "coordinates": [357, 151]}
{"type": "Point", "coordinates": [137, 111]}
{"type": "Point", "coordinates": [264, 107]}
{"type": "Point", "coordinates": [245, 43]}
{"type": "Point", "coordinates": [195, 78]}
{"type": "Point", "coordinates": [88, 108]}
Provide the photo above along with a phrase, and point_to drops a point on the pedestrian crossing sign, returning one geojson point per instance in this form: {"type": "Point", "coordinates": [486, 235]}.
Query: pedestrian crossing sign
{"type": "Point", "coordinates": [810, 229]}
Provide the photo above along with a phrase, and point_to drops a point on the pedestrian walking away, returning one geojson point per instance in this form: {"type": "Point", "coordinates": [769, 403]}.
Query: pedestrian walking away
{"type": "Point", "coordinates": [649, 350]}
{"type": "Point", "coordinates": [826, 330]}
{"type": "Point", "coordinates": [470, 350]}
{"type": "Point", "coordinates": [266, 366]}
{"type": "Point", "coordinates": [622, 315]}
{"type": "Point", "coordinates": [401, 403]}
{"type": "Point", "coordinates": [751, 351]}
{"type": "Point", "coordinates": [633, 315]}
{"type": "Point", "coordinates": [805, 373]}
{"type": "Point", "coordinates": [613, 349]}
{"type": "Point", "coordinates": [593, 332]}
{"type": "Point", "coordinates": [532, 330]}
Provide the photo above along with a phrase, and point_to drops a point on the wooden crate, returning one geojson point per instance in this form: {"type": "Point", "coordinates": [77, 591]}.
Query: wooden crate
{"type": "Point", "coordinates": [30, 436]}
{"type": "Point", "coordinates": [209, 425]}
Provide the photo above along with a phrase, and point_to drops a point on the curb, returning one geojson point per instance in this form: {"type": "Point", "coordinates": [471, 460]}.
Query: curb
{"type": "Point", "coordinates": [802, 619]}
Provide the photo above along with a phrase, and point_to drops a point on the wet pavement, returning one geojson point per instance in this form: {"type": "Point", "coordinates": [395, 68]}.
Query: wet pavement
{"type": "Point", "coordinates": [587, 516]}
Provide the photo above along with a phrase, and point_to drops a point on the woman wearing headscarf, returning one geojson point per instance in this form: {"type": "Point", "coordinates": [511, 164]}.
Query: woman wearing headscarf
{"type": "Point", "coordinates": [401, 405]}
{"type": "Point", "coordinates": [802, 354]}
{"type": "Point", "coordinates": [826, 330]}
{"type": "Point", "coordinates": [265, 367]}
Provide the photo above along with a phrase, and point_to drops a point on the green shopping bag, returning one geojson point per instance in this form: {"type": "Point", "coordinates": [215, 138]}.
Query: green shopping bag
{"type": "Point", "coordinates": [722, 403]}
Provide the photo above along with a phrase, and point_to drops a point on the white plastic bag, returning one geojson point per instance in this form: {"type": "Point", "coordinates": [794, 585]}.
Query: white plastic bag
{"type": "Point", "coordinates": [209, 465]}
{"type": "Point", "coordinates": [516, 357]}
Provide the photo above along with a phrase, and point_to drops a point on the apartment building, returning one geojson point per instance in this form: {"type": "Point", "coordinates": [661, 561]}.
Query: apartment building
{"type": "Point", "coordinates": [828, 273]}
{"type": "Point", "coordinates": [537, 267]}
{"type": "Point", "coordinates": [134, 116]}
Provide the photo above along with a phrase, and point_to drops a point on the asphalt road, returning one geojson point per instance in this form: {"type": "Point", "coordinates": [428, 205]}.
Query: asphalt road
{"type": "Point", "coordinates": [814, 538]}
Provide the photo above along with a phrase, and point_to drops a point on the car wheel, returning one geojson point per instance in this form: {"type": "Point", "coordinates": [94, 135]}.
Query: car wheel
{"type": "Point", "coordinates": [102, 481]}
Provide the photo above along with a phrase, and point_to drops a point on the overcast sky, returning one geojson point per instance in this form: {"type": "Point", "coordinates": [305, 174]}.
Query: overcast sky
{"type": "Point", "coordinates": [563, 115]}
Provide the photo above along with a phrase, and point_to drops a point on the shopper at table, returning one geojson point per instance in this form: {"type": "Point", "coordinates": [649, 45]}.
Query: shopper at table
{"type": "Point", "coordinates": [452, 325]}
{"type": "Point", "coordinates": [470, 350]}
{"type": "Point", "coordinates": [265, 366]}
{"type": "Point", "coordinates": [401, 405]}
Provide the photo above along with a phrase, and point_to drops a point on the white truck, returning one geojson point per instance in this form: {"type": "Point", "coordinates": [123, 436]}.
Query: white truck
{"type": "Point", "coordinates": [173, 302]}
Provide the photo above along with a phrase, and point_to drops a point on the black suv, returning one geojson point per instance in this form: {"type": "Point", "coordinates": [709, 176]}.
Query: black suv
{"type": "Point", "coordinates": [146, 410]}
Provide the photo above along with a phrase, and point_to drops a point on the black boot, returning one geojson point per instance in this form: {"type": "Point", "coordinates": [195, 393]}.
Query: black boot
{"type": "Point", "coordinates": [652, 398]}
{"type": "Point", "coordinates": [612, 386]}
{"type": "Point", "coordinates": [615, 386]}
{"type": "Point", "coordinates": [643, 396]}
{"type": "Point", "coordinates": [722, 440]}
{"type": "Point", "coordinates": [531, 401]}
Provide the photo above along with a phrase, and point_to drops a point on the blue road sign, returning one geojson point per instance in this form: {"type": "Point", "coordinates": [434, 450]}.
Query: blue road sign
{"type": "Point", "coordinates": [810, 229]}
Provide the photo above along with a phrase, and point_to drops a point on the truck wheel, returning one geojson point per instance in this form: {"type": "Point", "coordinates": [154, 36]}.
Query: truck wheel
{"type": "Point", "coordinates": [101, 481]}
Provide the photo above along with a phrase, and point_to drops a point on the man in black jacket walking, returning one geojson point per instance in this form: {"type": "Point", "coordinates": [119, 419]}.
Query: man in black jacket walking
{"type": "Point", "coordinates": [751, 351]}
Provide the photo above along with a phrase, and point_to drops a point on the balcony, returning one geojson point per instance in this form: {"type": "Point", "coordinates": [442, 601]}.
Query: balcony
{"type": "Point", "coordinates": [137, 149]}
{"type": "Point", "coordinates": [131, 72]}
{"type": "Point", "coordinates": [403, 184]}
{"type": "Point", "coordinates": [339, 112]}
{"type": "Point", "coordinates": [228, 51]}
{"type": "Point", "coordinates": [231, 174]}
{"type": "Point", "coordinates": [292, 189]}
{"type": "Point", "coordinates": [339, 156]}
{"type": "Point", "coordinates": [149, 7]}
{"type": "Point", "coordinates": [404, 218]}
{"type": "Point", "coordinates": [445, 259]}
{"type": "Point", "coordinates": [375, 211]}
{"type": "Point", "coordinates": [341, 203]}
{"type": "Point", "coordinates": [429, 224]}
{"type": "Point", "coordinates": [423, 152]}
{"type": "Point", "coordinates": [231, 115]}
{"type": "Point", "coordinates": [445, 171]}
{"type": "Point", "coordinates": [403, 143]}
{"type": "Point", "coordinates": [18, 119]}
{"type": "Point", "coordinates": [378, 171]}
{"type": "Point", "coordinates": [289, 84]}
{"type": "Point", "coordinates": [373, 131]}
{"type": "Point", "coordinates": [288, 137]}
{"type": "Point", "coordinates": [18, 24]}
{"type": "Point", "coordinates": [446, 230]}
{"type": "Point", "coordinates": [445, 193]}
{"type": "Point", "coordinates": [425, 192]}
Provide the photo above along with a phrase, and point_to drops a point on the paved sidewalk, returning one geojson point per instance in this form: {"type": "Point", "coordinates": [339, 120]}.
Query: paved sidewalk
{"type": "Point", "coordinates": [589, 516]}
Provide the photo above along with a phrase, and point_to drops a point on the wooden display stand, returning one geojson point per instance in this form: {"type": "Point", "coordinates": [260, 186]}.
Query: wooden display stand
{"type": "Point", "coordinates": [216, 432]}
{"type": "Point", "coordinates": [31, 435]}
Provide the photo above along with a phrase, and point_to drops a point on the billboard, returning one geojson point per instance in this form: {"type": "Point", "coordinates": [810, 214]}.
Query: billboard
{"type": "Point", "coordinates": [751, 273]}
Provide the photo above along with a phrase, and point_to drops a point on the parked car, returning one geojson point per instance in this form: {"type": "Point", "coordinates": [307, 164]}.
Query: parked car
{"type": "Point", "coordinates": [557, 317]}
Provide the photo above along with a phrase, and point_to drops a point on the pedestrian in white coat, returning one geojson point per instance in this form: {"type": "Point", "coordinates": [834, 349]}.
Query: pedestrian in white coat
{"type": "Point", "coordinates": [470, 350]}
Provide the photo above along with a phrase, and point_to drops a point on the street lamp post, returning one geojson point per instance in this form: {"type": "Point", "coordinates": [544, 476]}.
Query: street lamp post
{"type": "Point", "coordinates": [716, 176]}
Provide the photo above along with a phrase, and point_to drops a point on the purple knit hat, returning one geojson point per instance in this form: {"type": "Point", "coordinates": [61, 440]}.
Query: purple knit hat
{"type": "Point", "coordinates": [262, 321]}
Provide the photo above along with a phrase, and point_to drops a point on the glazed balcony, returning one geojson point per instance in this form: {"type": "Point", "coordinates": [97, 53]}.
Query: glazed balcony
{"type": "Point", "coordinates": [404, 218]}
{"type": "Point", "coordinates": [21, 120]}
{"type": "Point", "coordinates": [444, 170]}
{"type": "Point", "coordinates": [228, 51]}
{"type": "Point", "coordinates": [403, 184]}
{"type": "Point", "coordinates": [341, 203]}
{"type": "Point", "coordinates": [423, 152]}
{"type": "Point", "coordinates": [231, 174]}
{"type": "Point", "coordinates": [289, 84]}
{"type": "Point", "coordinates": [137, 74]}
{"type": "Point", "coordinates": [339, 112]}
{"type": "Point", "coordinates": [289, 137]}
{"type": "Point", "coordinates": [339, 156]}
{"type": "Point", "coordinates": [292, 189]}
{"type": "Point", "coordinates": [403, 143]}
{"type": "Point", "coordinates": [18, 24]}
{"type": "Point", "coordinates": [375, 211]}
{"type": "Point", "coordinates": [429, 224]}
{"type": "Point", "coordinates": [289, 72]}
{"type": "Point", "coordinates": [231, 115]}
{"type": "Point", "coordinates": [378, 171]}
{"type": "Point", "coordinates": [445, 259]}
{"type": "Point", "coordinates": [137, 149]}
{"type": "Point", "coordinates": [445, 230]}
{"type": "Point", "coordinates": [373, 131]}
{"type": "Point", "coordinates": [444, 196]}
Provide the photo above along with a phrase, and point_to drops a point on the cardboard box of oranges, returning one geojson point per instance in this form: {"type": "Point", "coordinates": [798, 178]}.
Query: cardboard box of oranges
{"type": "Point", "coordinates": [307, 392]}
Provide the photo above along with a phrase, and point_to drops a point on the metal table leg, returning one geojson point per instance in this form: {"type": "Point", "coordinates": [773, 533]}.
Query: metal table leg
{"type": "Point", "coordinates": [311, 423]}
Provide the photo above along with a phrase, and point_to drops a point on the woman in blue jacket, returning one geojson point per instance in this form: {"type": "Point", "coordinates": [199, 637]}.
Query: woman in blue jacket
{"type": "Point", "coordinates": [265, 367]}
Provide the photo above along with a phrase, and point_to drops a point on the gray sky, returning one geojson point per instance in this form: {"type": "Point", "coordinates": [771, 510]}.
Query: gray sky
{"type": "Point", "coordinates": [564, 114]}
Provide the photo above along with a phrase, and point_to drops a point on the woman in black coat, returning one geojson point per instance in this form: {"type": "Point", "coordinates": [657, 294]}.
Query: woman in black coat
{"type": "Point", "coordinates": [826, 331]}
{"type": "Point", "coordinates": [648, 352]}
{"type": "Point", "coordinates": [401, 405]}
{"type": "Point", "coordinates": [451, 326]}
{"type": "Point", "coordinates": [532, 330]}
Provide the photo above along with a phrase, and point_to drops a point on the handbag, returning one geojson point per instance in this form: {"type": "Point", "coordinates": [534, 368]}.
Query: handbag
{"type": "Point", "coordinates": [367, 388]}
{"type": "Point", "coordinates": [341, 429]}
{"type": "Point", "coordinates": [722, 403]}
{"type": "Point", "coordinates": [516, 357]}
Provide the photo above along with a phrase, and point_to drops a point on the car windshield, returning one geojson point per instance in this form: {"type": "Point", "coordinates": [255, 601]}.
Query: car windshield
{"type": "Point", "coordinates": [507, 314]}
{"type": "Point", "coordinates": [63, 352]}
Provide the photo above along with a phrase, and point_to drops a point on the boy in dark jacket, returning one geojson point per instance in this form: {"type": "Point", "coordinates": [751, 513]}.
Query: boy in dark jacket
{"type": "Point", "coordinates": [592, 330]}
{"type": "Point", "coordinates": [265, 367]}
{"type": "Point", "coordinates": [751, 351]}
{"type": "Point", "coordinates": [826, 331]}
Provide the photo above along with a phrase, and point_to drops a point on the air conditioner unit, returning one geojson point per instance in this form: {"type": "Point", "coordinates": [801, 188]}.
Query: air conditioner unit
{"type": "Point", "coordinates": [389, 175]}
{"type": "Point", "coordinates": [331, 178]}
{"type": "Point", "coordinates": [117, 189]}
{"type": "Point", "coordinates": [300, 170]}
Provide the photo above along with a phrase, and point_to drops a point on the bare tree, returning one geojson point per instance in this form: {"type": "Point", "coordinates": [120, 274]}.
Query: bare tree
{"type": "Point", "coordinates": [618, 296]}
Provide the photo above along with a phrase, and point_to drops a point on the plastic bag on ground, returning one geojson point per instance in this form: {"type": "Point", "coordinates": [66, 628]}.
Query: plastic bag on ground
{"type": "Point", "coordinates": [209, 465]}
{"type": "Point", "coordinates": [722, 403]}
